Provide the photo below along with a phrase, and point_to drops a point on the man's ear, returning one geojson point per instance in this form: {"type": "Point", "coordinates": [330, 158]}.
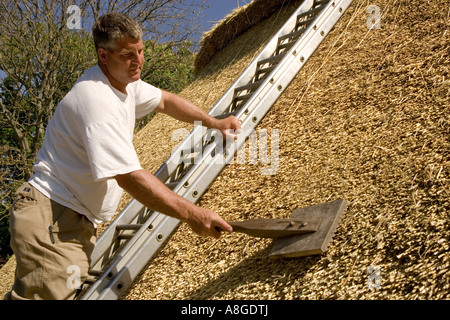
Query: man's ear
{"type": "Point", "coordinates": [102, 55]}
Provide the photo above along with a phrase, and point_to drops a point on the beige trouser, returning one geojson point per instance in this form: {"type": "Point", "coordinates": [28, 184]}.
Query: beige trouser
{"type": "Point", "coordinates": [52, 245]}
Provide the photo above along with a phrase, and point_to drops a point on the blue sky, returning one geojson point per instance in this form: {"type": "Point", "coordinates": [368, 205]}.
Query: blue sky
{"type": "Point", "coordinates": [216, 10]}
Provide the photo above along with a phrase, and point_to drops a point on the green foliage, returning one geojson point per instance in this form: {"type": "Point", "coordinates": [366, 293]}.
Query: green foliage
{"type": "Point", "coordinates": [41, 64]}
{"type": "Point", "coordinates": [167, 66]}
{"type": "Point", "coordinates": [42, 60]}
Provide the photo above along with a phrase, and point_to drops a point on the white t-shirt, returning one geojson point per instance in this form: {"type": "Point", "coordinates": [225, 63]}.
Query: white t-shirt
{"type": "Point", "coordinates": [88, 141]}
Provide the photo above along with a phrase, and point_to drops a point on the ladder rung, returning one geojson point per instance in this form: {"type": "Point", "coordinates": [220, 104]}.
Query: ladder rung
{"type": "Point", "coordinates": [188, 159]}
{"type": "Point", "coordinates": [172, 185]}
{"type": "Point", "coordinates": [197, 148]}
{"type": "Point", "coordinates": [226, 115]}
{"type": "Point", "coordinates": [182, 169]}
{"type": "Point", "coordinates": [265, 70]}
{"type": "Point", "coordinates": [320, 2]}
{"type": "Point", "coordinates": [90, 280]}
{"type": "Point", "coordinates": [273, 59]}
{"type": "Point", "coordinates": [125, 236]}
{"type": "Point", "coordinates": [95, 273]}
{"type": "Point", "coordinates": [293, 35]}
{"type": "Point", "coordinates": [242, 97]}
{"type": "Point", "coordinates": [307, 13]}
{"type": "Point", "coordinates": [128, 227]}
{"type": "Point", "coordinates": [286, 45]}
{"type": "Point", "coordinates": [304, 23]}
{"type": "Point", "coordinates": [250, 86]}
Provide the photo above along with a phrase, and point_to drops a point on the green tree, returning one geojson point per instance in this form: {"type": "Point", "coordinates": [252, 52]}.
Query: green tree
{"type": "Point", "coordinates": [167, 66]}
{"type": "Point", "coordinates": [41, 56]}
{"type": "Point", "coordinates": [40, 59]}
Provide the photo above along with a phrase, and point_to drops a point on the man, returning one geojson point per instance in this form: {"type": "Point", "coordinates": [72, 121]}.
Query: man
{"type": "Point", "coordinates": [87, 159]}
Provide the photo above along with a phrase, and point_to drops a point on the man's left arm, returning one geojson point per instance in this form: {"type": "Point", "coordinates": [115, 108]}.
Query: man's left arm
{"type": "Point", "coordinates": [183, 110]}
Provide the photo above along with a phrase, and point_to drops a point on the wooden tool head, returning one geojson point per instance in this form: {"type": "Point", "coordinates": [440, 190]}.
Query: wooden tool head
{"type": "Point", "coordinates": [314, 243]}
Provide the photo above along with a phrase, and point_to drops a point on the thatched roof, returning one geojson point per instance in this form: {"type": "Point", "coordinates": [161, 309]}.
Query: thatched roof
{"type": "Point", "coordinates": [367, 120]}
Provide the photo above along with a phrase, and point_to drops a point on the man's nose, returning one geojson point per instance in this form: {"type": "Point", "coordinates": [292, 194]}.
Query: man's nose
{"type": "Point", "coordinates": [138, 58]}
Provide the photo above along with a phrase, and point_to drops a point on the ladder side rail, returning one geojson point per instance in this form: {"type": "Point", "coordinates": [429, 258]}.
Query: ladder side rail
{"type": "Point", "coordinates": [118, 277]}
{"type": "Point", "coordinates": [106, 238]}
{"type": "Point", "coordinates": [127, 274]}
{"type": "Point", "coordinates": [134, 241]}
{"type": "Point", "coordinates": [134, 207]}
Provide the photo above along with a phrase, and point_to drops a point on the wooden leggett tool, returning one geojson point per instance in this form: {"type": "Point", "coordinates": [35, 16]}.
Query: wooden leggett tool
{"type": "Point", "coordinates": [275, 228]}
{"type": "Point", "coordinates": [308, 231]}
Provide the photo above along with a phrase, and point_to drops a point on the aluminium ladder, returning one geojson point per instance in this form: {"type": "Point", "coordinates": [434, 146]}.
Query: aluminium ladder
{"type": "Point", "coordinates": [134, 237]}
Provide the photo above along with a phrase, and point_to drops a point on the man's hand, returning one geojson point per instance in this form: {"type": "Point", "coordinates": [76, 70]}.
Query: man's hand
{"type": "Point", "coordinates": [230, 127]}
{"type": "Point", "coordinates": [183, 110]}
{"type": "Point", "coordinates": [207, 223]}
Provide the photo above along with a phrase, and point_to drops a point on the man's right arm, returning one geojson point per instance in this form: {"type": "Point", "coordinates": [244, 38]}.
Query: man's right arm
{"type": "Point", "coordinates": [151, 192]}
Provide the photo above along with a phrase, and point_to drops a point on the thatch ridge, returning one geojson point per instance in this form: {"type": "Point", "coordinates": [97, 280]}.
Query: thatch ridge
{"type": "Point", "coordinates": [367, 120]}
{"type": "Point", "coordinates": [233, 25]}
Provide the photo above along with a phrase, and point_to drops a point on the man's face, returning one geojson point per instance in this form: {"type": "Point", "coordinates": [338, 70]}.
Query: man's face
{"type": "Point", "coordinates": [124, 63]}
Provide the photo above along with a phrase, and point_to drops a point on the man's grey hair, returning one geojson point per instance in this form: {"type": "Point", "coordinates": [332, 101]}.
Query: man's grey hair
{"type": "Point", "coordinates": [112, 27]}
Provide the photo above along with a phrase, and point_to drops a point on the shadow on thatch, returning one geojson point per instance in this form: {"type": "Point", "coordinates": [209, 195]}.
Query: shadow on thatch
{"type": "Point", "coordinates": [276, 273]}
